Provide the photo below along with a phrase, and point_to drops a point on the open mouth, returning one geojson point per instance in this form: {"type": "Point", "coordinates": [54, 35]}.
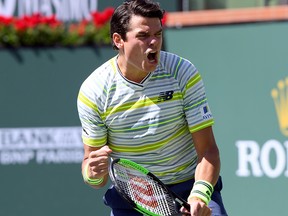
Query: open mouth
{"type": "Point", "coordinates": [152, 56]}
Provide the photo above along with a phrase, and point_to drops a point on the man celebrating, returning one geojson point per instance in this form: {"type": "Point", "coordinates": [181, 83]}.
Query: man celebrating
{"type": "Point", "coordinates": [149, 106]}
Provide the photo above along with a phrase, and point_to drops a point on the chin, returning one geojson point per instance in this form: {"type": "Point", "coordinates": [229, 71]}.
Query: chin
{"type": "Point", "coordinates": [149, 69]}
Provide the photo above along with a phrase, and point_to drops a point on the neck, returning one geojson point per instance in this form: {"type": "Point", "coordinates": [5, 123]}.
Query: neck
{"type": "Point", "coordinates": [131, 73]}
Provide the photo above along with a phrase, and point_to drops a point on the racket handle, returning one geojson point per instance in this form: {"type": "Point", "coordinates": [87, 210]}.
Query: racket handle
{"type": "Point", "coordinates": [187, 206]}
{"type": "Point", "coordinates": [181, 214]}
{"type": "Point", "coordinates": [182, 202]}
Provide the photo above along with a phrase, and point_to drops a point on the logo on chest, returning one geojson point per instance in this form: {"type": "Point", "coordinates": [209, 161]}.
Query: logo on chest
{"type": "Point", "coordinates": [164, 96]}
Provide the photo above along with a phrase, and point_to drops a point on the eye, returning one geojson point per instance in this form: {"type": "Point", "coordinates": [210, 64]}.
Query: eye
{"type": "Point", "coordinates": [159, 34]}
{"type": "Point", "coordinates": [142, 36]}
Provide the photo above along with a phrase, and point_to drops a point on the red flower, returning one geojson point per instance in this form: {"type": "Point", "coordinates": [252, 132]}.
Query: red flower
{"type": "Point", "coordinates": [108, 12]}
{"type": "Point", "coordinates": [20, 25]}
{"type": "Point", "coordinates": [38, 30]}
{"type": "Point", "coordinates": [6, 21]}
{"type": "Point", "coordinates": [101, 18]}
{"type": "Point", "coordinates": [82, 27]}
{"type": "Point", "coordinates": [52, 21]}
{"type": "Point", "coordinates": [164, 19]}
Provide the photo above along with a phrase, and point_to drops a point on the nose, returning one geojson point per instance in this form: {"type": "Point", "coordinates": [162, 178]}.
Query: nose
{"type": "Point", "coordinates": [154, 40]}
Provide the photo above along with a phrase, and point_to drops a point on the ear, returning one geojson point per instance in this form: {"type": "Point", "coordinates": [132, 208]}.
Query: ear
{"type": "Point", "coordinates": [117, 39]}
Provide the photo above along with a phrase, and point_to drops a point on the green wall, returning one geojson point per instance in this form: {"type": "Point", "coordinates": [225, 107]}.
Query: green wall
{"type": "Point", "coordinates": [38, 88]}
{"type": "Point", "coordinates": [38, 84]}
{"type": "Point", "coordinates": [240, 65]}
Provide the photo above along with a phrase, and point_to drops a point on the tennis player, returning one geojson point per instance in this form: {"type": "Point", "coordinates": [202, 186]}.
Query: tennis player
{"type": "Point", "coordinates": [149, 106]}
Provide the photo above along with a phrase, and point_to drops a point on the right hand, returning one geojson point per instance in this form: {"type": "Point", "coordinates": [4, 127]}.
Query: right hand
{"type": "Point", "coordinates": [198, 208]}
{"type": "Point", "coordinates": [98, 162]}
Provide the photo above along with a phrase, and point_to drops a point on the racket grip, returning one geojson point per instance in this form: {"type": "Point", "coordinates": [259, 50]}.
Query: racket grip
{"type": "Point", "coordinates": [186, 206]}
{"type": "Point", "coordinates": [181, 214]}
{"type": "Point", "coordinates": [183, 203]}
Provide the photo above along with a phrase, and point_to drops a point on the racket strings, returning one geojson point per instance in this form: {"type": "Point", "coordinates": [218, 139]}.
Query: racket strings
{"type": "Point", "coordinates": [144, 191]}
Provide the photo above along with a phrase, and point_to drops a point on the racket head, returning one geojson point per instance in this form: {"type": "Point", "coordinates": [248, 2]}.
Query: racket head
{"type": "Point", "coordinates": [144, 191]}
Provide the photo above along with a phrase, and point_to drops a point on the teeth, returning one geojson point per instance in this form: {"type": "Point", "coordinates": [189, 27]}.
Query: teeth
{"type": "Point", "coordinates": [148, 52]}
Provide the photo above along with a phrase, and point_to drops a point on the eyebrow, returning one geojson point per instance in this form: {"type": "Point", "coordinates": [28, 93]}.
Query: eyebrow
{"type": "Point", "coordinates": [147, 32]}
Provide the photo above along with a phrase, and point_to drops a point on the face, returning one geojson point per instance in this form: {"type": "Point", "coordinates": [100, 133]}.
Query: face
{"type": "Point", "coordinates": [139, 53]}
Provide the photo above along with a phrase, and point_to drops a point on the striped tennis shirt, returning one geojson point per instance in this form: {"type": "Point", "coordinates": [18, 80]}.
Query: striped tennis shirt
{"type": "Point", "coordinates": [149, 122]}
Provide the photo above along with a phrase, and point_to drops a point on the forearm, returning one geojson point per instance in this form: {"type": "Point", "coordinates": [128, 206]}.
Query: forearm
{"type": "Point", "coordinates": [208, 167]}
{"type": "Point", "coordinates": [206, 176]}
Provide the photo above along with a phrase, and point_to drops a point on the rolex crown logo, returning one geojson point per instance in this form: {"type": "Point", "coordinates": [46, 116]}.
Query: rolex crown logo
{"type": "Point", "coordinates": [280, 97]}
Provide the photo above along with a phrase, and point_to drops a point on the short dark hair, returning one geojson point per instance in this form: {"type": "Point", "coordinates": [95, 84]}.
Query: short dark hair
{"type": "Point", "coordinates": [121, 17]}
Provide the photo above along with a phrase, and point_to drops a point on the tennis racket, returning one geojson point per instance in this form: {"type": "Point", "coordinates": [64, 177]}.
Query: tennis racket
{"type": "Point", "coordinates": [143, 190]}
